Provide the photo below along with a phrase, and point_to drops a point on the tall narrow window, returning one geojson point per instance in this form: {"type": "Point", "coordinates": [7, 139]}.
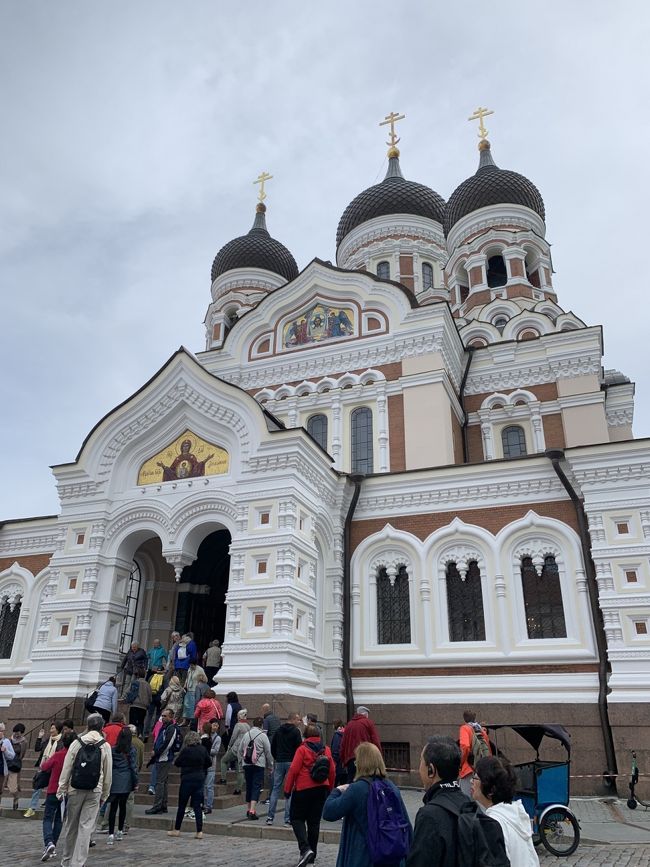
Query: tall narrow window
{"type": "Point", "coordinates": [496, 272]}
{"type": "Point", "coordinates": [317, 427]}
{"type": "Point", "coordinates": [465, 604]}
{"type": "Point", "coordinates": [9, 615]}
{"type": "Point", "coordinates": [361, 440]}
{"type": "Point", "coordinates": [427, 275]}
{"type": "Point", "coordinates": [393, 608]}
{"type": "Point", "coordinates": [543, 599]}
{"type": "Point", "coordinates": [383, 270]}
{"type": "Point", "coordinates": [513, 440]}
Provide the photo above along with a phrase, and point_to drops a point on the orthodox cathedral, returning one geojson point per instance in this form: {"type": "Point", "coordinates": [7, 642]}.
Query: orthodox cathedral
{"type": "Point", "coordinates": [403, 480]}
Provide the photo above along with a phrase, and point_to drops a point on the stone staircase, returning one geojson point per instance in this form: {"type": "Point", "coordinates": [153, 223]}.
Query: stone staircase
{"type": "Point", "coordinates": [223, 794]}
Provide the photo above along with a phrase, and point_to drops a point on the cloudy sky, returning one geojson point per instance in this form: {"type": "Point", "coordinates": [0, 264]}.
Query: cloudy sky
{"type": "Point", "coordinates": [132, 133]}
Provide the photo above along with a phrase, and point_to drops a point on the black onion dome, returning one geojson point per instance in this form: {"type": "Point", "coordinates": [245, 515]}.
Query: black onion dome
{"type": "Point", "coordinates": [491, 186]}
{"type": "Point", "coordinates": [394, 195]}
{"type": "Point", "coordinates": [257, 249]}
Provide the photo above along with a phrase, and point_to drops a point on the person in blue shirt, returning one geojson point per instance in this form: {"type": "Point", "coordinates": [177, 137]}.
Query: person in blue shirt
{"type": "Point", "coordinates": [156, 656]}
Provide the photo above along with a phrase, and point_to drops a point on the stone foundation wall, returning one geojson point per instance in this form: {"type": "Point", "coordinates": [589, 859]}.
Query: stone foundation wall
{"type": "Point", "coordinates": [413, 724]}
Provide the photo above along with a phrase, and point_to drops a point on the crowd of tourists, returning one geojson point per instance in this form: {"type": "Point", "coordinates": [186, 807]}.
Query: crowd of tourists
{"type": "Point", "coordinates": [469, 815]}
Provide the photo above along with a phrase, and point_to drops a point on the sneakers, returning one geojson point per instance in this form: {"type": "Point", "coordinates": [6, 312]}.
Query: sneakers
{"type": "Point", "coordinates": [269, 820]}
{"type": "Point", "coordinates": [29, 813]}
{"type": "Point", "coordinates": [189, 814]}
{"type": "Point", "coordinates": [252, 815]}
{"type": "Point", "coordinates": [119, 835]}
{"type": "Point", "coordinates": [266, 803]}
{"type": "Point", "coordinates": [199, 835]}
{"type": "Point", "coordinates": [48, 852]}
{"type": "Point", "coordinates": [173, 833]}
{"type": "Point", "coordinates": [306, 858]}
{"type": "Point", "coordinates": [151, 790]}
{"type": "Point", "coordinates": [111, 840]}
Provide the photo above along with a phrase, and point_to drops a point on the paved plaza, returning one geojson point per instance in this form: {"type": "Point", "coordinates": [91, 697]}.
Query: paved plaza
{"type": "Point", "coordinates": [613, 837]}
{"type": "Point", "coordinates": [22, 845]}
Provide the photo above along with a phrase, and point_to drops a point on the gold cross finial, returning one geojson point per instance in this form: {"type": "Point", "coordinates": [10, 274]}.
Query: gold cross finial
{"type": "Point", "coordinates": [261, 179]}
{"type": "Point", "coordinates": [392, 119]}
{"type": "Point", "coordinates": [478, 115]}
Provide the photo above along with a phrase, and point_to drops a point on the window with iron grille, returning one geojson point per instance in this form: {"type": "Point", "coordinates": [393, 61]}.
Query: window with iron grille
{"type": "Point", "coordinates": [543, 599]}
{"type": "Point", "coordinates": [9, 615]}
{"type": "Point", "coordinates": [397, 755]}
{"type": "Point", "coordinates": [427, 276]}
{"type": "Point", "coordinates": [465, 604]}
{"type": "Point", "coordinates": [393, 608]}
{"type": "Point", "coordinates": [513, 439]}
{"type": "Point", "coordinates": [361, 440]}
{"type": "Point", "coordinates": [317, 427]}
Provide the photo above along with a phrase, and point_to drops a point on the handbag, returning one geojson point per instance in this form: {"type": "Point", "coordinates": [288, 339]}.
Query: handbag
{"type": "Point", "coordinates": [89, 703]}
{"type": "Point", "coordinates": [41, 780]}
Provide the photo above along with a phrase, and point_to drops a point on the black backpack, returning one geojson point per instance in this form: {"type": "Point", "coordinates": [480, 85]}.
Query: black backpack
{"type": "Point", "coordinates": [320, 770]}
{"type": "Point", "coordinates": [250, 753]}
{"type": "Point", "coordinates": [87, 767]}
{"type": "Point", "coordinates": [479, 840]}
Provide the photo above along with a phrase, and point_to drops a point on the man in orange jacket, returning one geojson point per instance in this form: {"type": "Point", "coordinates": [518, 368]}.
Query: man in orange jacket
{"type": "Point", "coordinates": [468, 759]}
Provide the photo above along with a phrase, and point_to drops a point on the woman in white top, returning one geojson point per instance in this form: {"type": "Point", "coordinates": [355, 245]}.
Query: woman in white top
{"type": "Point", "coordinates": [493, 787]}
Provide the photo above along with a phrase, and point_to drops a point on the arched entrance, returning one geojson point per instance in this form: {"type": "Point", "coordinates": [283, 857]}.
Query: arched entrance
{"type": "Point", "coordinates": [201, 607]}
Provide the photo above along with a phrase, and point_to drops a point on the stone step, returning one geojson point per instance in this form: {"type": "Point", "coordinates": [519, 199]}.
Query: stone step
{"type": "Point", "coordinates": [240, 827]}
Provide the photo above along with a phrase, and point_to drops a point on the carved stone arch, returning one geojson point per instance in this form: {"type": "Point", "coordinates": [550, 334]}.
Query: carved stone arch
{"type": "Point", "coordinates": [264, 395]}
{"type": "Point", "coordinates": [496, 399]}
{"type": "Point", "coordinates": [479, 330]}
{"type": "Point", "coordinates": [348, 379]}
{"type": "Point", "coordinates": [371, 375]}
{"type": "Point", "coordinates": [304, 388]}
{"type": "Point", "coordinates": [141, 523]}
{"type": "Point", "coordinates": [181, 395]}
{"type": "Point", "coordinates": [462, 554]}
{"type": "Point", "coordinates": [391, 560]}
{"type": "Point", "coordinates": [326, 384]}
{"type": "Point", "coordinates": [14, 583]}
{"type": "Point", "coordinates": [521, 394]}
{"type": "Point", "coordinates": [538, 548]}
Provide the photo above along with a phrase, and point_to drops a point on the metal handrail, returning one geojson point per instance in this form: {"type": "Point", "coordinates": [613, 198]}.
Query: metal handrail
{"type": "Point", "coordinates": [74, 709]}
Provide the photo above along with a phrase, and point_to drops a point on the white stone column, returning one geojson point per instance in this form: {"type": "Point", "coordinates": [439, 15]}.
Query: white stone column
{"type": "Point", "coordinates": [382, 424]}
{"type": "Point", "coordinates": [337, 431]}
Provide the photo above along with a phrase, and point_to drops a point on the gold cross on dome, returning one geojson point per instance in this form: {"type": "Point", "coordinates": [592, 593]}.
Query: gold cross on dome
{"type": "Point", "coordinates": [478, 115]}
{"type": "Point", "coordinates": [392, 119]}
{"type": "Point", "coordinates": [261, 179]}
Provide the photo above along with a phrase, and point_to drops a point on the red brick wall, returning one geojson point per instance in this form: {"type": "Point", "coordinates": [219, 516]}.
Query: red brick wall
{"type": "Point", "coordinates": [519, 291]}
{"type": "Point", "coordinates": [396, 432]}
{"type": "Point", "coordinates": [474, 444]}
{"type": "Point", "coordinates": [554, 431]}
{"type": "Point", "coordinates": [493, 519]}
{"type": "Point", "coordinates": [457, 435]}
{"type": "Point", "coordinates": [406, 271]}
{"type": "Point", "coordinates": [516, 268]}
{"type": "Point", "coordinates": [34, 562]}
{"type": "Point", "coordinates": [475, 276]}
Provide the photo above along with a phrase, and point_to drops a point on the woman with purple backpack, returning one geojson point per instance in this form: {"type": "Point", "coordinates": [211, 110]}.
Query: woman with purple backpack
{"type": "Point", "coordinates": [368, 837]}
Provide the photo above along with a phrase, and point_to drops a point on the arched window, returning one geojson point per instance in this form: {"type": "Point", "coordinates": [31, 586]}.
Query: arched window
{"type": "Point", "coordinates": [496, 272]}
{"type": "Point", "coordinates": [427, 276]}
{"type": "Point", "coordinates": [528, 334]}
{"type": "Point", "coordinates": [393, 607]}
{"type": "Point", "coordinates": [513, 440]}
{"type": "Point", "coordinates": [9, 614]}
{"type": "Point", "coordinates": [465, 604]}
{"type": "Point", "coordinates": [543, 599]}
{"type": "Point", "coordinates": [500, 323]}
{"type": "Point", "coordinates": [317, 427]}
{"type": "Point", "coordinates": [361, 440]}
{"type": "Point", "coordinates": [383, 270]}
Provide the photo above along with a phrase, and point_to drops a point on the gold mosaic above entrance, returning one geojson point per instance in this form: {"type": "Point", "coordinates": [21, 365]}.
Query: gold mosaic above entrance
{"type": "Point", "coordinates": [188, 457]}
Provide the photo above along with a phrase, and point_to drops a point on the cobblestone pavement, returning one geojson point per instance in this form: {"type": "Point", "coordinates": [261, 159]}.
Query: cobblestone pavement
{"type": "Point", "coordinates": [22, 845]}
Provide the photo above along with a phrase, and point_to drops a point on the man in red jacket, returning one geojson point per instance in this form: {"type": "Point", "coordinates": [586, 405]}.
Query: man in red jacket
{"type": "Point", "coordinates": [357, 731]}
